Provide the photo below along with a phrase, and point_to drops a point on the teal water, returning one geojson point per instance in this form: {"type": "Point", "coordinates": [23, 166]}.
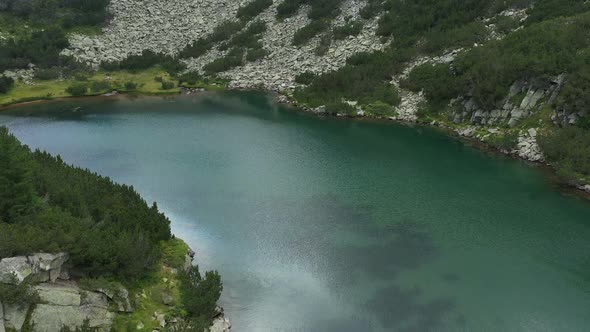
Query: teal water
{"type": "Point", "coordinates": [322, 224]}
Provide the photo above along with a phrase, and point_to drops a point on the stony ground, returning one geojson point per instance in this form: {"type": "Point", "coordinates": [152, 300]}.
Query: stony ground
{"type": "Point", "coordinates": [168, 26]}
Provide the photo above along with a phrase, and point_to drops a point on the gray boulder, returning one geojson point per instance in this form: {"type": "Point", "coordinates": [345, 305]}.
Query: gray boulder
{"type": "Point", "coordinates": [39, 267]}
{"type": "Point", "coordinates": [2, 329]}
{"type": "Point", "coordinates": [14, 316]}
{"type": "Point", "coordinates": [15, 266]}
{"type": "Point", "coordinates": [64, 304]}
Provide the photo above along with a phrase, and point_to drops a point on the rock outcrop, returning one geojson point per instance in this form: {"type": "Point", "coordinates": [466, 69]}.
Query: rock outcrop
{"type": "Point", "coordinates": [61, 302]}
{"type": "Point", "coordinates": [2, 328]}
{"type": "Point", "coordinates": [40, 267]}
{"type": "Point", "coordinates": [65, 304]}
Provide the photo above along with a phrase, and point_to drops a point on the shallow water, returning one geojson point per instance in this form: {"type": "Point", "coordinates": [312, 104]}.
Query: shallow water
{"type": "Point", "coordinates": [322, 224]}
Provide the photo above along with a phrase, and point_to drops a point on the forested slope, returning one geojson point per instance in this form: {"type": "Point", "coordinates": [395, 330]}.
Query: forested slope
{"type": "Point", "coordinates": [109, 233]}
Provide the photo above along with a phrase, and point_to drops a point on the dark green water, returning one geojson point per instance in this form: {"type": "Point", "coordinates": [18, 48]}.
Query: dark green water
{"type": "Point", "coordinates": [335, 225]}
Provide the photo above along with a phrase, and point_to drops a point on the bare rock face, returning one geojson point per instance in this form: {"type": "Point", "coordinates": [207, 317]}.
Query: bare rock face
{"type": "Point", "coordinates": [14, 317]}
{"type": "Point", "coordinates": [64, 304]}
{"type": "Point", "coordinates": [220, 324]}
{"type": "Point", "coordinates": [2, 328]}
{"type": "Point", "coordinates": [40, 267]}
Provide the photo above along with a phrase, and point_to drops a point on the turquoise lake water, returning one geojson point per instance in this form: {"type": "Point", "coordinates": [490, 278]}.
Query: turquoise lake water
{"type": "Point", "coordinates": [323, 224]}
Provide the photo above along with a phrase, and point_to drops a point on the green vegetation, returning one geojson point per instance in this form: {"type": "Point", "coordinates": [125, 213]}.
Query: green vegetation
{"type": "Point", "coordinates": [200, 293]}
{"type": "Point", "coordinates": [320, 9]}
{"type": "Point", "coordinates": [233, 59]}
{"type": "Point", "coordinates": [63, 13]}
{"type": "Point", "coordinates": [436, 81]}
{"type": "Point", "coordinates": [568, 149]}
{"type": "Point", "coordinates": [365, 79]}
{"type": "Point", "coordinates": [41, 48]}
{"type": "Point", "coordinates": [146, 60]}
{"type": "Point", "coordinates": [222, 32]}
{"type": "Point", "coordinates": [113, 237]}
{"type": "Point", "coordinates": [38, 29]}
{"type": "Point", "coordinates": [78, 89]}
{"type": "Point", "coordinates": [50, 206]}
{"type": "Point", "coordinates": [20, 295]}
{"type": "Point", "coordinates": [256, 54]}
{"type": "Point", "coordinates": [5, 84]}
{"type": "Point", "coordinates": [339, 107]}
{"type": "Point", "coordinates": [309, 31]}
{"type": "Point", "coordinates": [305, 78]}
{"type": "Point", "coordinates": [380, 109]}
{"type": "Point", "coordinates": [549, 9]}
{"type": "Point", "coordinates": [252, 9]}
{"type": "Point", "coordinates": [506, 141]}
{"type": "Point", "coordinates": [351, 28]}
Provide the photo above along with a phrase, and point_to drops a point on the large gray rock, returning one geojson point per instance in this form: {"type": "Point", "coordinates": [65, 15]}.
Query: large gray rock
{"type": "Point", "coordinates": [2, 329]}
{"type": "Point", "coordinates": [14, 317]}
{"type": "Point", "coordinates": [39, 267]}
{"type": "Point", "coordinates": [51, 318]}
{"type": "Point", "coordinates": [220, 324]}
{"type": "Point", "coordinates": [64, 304]}
{"type": "Point", "coordinates": [59, 294]}
{"type": "Point", "coordinates": [51, 263]}
{"type": "Point", "coordinates": [15, 266]}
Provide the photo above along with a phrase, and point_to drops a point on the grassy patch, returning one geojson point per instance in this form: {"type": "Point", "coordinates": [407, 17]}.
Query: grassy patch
{"type": "Point", "coordinates": [539, 118]}
{"type": "Point", "coordinates": [146, 294]}
{"type": "Point", "coordinates": [119, 80]}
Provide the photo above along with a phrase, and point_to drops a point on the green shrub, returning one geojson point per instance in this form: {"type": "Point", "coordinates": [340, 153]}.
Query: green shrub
{"type": "Point", "coordinates": [379, 108]}
{"type": "Point", "coordinates": [506, 24]}
{"type": "Point", "coordinates": [231, 60]}
{"type": "Point", "coordinates": [323, 46]}
{"type": "Point", "coordinates": [349, 29]}
{"type": "Point", "coordinates": [78, 89]}
{"type": "Point", "coordinates": [48, 74]}
{"type": "Point", "coordinates": [288, 8]}
{"type": "Point", "coordinates": [167, 85]}
{"type": "Point", "coordinates": [191, 78]}
{"type": "Point", "coordinates": [305, 78]}
{"type": "Point", "coordinates": [339, 107]}
{"type": "Point", "coordinates": [575, 95]}
{"type": "Point", "coordinates": [506, 141]}
{"type": "Point", "coordinates": [21, 295]}
{"type": "Point", "coordinates": [130, 86]}
{"type": "Point", "coordinates": [255, 54]}
{"type": "Point", "coordinates": [244, 39]}
{"type": "Point", "coordinates": [100, 86]}
{"type": "Point", "coordinates": [40, 47]}
{"type": "Point", "coordinates": [568, 149]}
{"type": "Point", "coordinates": [147, 59]}
{"type": "Point", "coordinates": [309, 31]}
{"type": "Point", "coordinates": [371, 9]}
{"type": "Point", "coordinates": [200, 294]}
{"type": "Point", "coordinates": [5, 83]}
{"type": "Point", "coordinates": [196, 49]}
{"type": "Point", "coordinates": [437, 81]}
{"type": "Point", "coordinates": [548, 9]}
{"type": "Point", "coordinates": [252, 9]}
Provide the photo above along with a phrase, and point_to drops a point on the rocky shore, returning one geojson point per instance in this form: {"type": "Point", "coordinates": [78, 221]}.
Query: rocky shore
{"type": "Point", "coordinates": [62, 301]}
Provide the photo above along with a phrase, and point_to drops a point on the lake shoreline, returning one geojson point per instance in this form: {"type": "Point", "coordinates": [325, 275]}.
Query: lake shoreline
{"type": "Point", "coordinates": [284, 100]}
